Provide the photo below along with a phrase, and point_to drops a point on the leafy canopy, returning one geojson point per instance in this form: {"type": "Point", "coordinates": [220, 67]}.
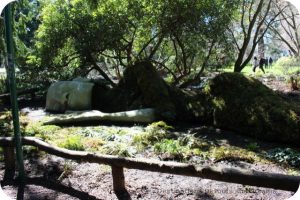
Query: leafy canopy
{"type": "Point", "coordinates": [77, 33]}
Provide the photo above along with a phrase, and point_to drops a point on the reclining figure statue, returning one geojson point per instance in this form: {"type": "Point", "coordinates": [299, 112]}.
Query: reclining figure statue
{"type": "Point", "coordinates": [229, 101]}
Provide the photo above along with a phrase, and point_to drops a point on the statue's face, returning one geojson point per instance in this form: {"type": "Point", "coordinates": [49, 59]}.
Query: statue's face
{"type": "Point", "coordinates": [69, 95]}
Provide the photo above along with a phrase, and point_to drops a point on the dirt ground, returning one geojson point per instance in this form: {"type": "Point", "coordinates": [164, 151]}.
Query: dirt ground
{"type": "Point", "coordinates": [61, 179]}
{"type": "Point", "coordinates": [93, 181]}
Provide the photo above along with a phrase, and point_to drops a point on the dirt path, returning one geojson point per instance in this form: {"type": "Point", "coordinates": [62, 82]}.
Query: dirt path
{"type": "Point", "coordinates": [96, 180]}
{"type": "Point", "coordinates": [73, 180]}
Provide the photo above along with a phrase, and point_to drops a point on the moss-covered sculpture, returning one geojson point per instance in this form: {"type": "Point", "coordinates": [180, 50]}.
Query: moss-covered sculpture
{"type": "Point", "coordinates": [247, 106]}
{"type": "Point", "coordinates": [229, 101]}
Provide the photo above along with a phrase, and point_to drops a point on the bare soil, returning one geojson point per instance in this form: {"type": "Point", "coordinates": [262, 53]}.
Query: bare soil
{"type": "Point", "coordinates": [93, 181]}
{"type": "Point", "coordinates": [60, 179]}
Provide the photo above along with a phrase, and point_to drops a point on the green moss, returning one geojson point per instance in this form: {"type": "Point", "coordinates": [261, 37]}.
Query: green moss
{"type": "Point", "coordinates": [233, 153]}
{"type": "Point", "coordinates": [172, 148]}
{"type": "Point", "coordinates": [159, 125]}
{"type": "Point", "coordinates": [118, 148]}
{"type": "Point", "coordinates": [253, 146]}
{"type": "Point", "coordinates": [39, 130]}
{"type": "Point", "coordinates": [92, 144]}
{"type": "Point", "coordinates": [245, 105]}
{"type": "Point", "coordinates": [192, 106]}
{"type": "Point", "coordinates": [152, 134]}
{"type": "Point", "coordinates": [73, 143]}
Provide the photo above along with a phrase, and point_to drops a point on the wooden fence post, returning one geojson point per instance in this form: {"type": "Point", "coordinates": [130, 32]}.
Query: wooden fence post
{"type": "Point", "coordinates": [10, 165]}
{"type": "Point", "coordinates": [118, 179]}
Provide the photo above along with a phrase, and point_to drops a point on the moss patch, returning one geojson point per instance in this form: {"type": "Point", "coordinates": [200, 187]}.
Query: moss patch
{"type": "Point", "coordinates": [248, 107]}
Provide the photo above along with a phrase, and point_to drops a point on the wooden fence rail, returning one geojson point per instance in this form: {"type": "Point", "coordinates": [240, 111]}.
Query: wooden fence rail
{"type": "Point", "coordinates": [30, 91]}
{"type": "Point", "coordinates": [231, 175]}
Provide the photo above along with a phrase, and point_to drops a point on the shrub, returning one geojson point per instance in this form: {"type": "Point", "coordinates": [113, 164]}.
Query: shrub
{"type": "Point", "coordinates": [285, 156]}
{"type": "Point", "coordinates": [285, 64]}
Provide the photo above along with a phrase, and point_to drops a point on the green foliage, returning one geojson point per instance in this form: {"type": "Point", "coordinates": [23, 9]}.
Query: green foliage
{"type": "Point", "coordinates": [159, 125]}
{"type": "Point", "coordinates": [232, 154]}
{"type": "Point", "coordinates": [192, 142]}
{"type": "Point", "coordinates": [171, 147]}
{"type": "Point", "coordinates": [253, 146]}
{"type": "Point", "coordinates": [153, 133]}
{"type": "Point", "coordinates": [26, 15]}
{"type": "Point", "coordinates": [73, 35]}
{"type": "Point", "coordinates": [41, 131]}
{"type": "Point", "coordinates": [93, 144]}
{"type": "Point", "coordinates": [118, 148]}
{"type": "Point", "coordinates": [157, 138]}
{"type": "Point", "coordinates": [287, 65]}
{"type": "Point", "coordinates": [6, 123]}
{"type": "Point", "coordinates": [73, 143]}
{"type": "Point", "coordinates": [287, 62]}
{"type": "Point", "coordinates": [285, 156]}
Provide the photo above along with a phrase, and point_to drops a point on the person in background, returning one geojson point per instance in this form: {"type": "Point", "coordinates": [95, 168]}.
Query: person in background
{"type": "Point", "coordinates": [255, 63]}
{"type": "Point", "coordinates": [261, 64]}
{"type": "Point", "coordinates": [270, 62]}
{"type": "Point", "coordinates": [266, 63]}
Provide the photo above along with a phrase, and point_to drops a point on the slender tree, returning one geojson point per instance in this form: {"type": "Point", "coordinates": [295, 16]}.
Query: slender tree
{"type": "Point", "coordinates": [250, 28]}
{"type": "Point", "coordinates": [287, 27]}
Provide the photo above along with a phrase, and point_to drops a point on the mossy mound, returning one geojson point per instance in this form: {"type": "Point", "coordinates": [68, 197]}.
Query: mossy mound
{"type": "Point", "coordinates": [192, 106]}
{"type": "Point", "coordinates": [229, 101]}
{"type": "Point", "coordinates": [248, 107]}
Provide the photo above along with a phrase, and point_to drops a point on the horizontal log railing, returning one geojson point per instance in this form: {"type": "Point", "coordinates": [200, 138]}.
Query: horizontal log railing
{"type": "Point", "coordinates": [30, 91]}
{"type": "Point", "coordinates": [231, 175]}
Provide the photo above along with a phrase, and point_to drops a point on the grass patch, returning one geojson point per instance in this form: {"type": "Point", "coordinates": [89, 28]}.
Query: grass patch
{"type": "Point", "coordinates": [152, 134]}
{"type": "Point", "coordinates": [119, 149]}
{"type": "Point", "coordinates": [173, 150]}
{"type": "Point", "coordinates": [285, 66]}
{"type": "Point", "coordinates": [37, 129]}
{"type": "Point", "coordinates": [73, 143]}
{"type": "Point", "coordinates": [158, 140]}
